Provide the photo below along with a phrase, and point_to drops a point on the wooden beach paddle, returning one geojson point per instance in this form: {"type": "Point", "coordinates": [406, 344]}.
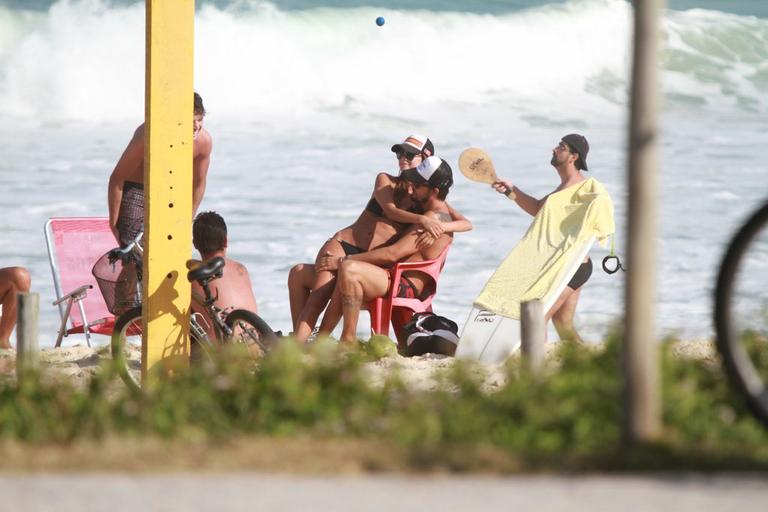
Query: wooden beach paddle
{"type": "Point", "coordinates": [476, 165]}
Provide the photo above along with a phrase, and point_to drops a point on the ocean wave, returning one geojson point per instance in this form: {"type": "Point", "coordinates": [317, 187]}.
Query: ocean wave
{"type": "Point", "coordinates": [84, 60]}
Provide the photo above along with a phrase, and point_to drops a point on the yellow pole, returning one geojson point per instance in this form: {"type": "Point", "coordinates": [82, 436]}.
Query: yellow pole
{"type": "Point", "coordinates": [168, 183]}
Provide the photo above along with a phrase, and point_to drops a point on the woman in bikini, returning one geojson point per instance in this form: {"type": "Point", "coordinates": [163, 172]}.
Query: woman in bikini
{"type": "Point", "coordinates": [385, 217]}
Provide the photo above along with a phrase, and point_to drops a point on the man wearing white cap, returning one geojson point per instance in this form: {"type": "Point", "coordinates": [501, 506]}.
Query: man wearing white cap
{"type": "Point", "coordinates": [381, 222]}
{"type": "Point", "coordinates": [361, 277]}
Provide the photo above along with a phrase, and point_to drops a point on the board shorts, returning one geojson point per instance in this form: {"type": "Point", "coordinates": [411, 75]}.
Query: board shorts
{"type": "Point", "coordinates": [130, 220]}
{"type": "Point", "coordinates": [406, 289]}
{"type": "Point", "coordinates": [581, 276]}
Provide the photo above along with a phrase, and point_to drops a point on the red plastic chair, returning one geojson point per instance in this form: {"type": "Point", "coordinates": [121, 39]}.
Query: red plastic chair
{"type": "Point", "coordinates": [381, 308]}
{"type": "Point", "coordinates": [74, 245]}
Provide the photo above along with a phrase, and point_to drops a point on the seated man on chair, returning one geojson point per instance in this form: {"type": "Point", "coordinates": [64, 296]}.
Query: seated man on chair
{"type": "Point", "coordinates": [362, 278]}
{"type": "Point", "coordinates": [12, 281]}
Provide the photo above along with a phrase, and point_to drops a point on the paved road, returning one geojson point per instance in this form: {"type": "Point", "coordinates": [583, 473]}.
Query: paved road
{"type": "Point", "coordinates": [399, 493]}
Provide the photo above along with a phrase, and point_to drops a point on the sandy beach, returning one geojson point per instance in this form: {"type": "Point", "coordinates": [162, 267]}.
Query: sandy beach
{"type": "Point", "coordinates": [77, 363]}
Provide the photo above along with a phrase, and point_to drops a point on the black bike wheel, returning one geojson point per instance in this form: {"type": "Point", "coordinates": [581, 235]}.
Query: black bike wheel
{"type": "Point", "coordinates": [741, 312]}
{"type": "Point", "coordinates": [126, 347]}
{"type": "Point", "coordinates": [248, 327]}
{"type": "Point", "coordinates": [201, 349]}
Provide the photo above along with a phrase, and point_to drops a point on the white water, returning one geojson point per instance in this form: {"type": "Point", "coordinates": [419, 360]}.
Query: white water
{"type": "Point", "coordinates": [303, 106]}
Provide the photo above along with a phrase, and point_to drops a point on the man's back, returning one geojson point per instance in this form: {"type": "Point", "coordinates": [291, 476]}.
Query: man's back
{"type": "Point", "coordinates": [131, 165]}
{"type": "Point", "coordinates": [233, 289]}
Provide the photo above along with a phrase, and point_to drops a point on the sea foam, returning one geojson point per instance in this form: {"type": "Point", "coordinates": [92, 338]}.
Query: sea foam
{"type": "Point", "coordinates": [84, 60]}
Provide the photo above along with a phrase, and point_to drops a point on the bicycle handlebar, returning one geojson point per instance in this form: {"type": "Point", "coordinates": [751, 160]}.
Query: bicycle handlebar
{"type": "Point", "coordinates": [134, 243]}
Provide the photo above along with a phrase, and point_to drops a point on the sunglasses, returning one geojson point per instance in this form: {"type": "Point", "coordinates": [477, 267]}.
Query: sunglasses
{"type": "Point", "coordinates": [408, 156]}
{"type": "Point", "coordinates": [563, 147]}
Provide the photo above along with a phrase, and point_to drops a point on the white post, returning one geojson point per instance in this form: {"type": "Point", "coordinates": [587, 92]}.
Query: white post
{"type": "Point", "coordinates": [27, 349]}
{"type": "Point", "coordinates": [532, 334]}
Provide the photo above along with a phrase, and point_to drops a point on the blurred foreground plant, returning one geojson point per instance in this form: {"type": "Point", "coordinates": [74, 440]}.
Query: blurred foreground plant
{"type": "Point", "coordinates": [570, 417]}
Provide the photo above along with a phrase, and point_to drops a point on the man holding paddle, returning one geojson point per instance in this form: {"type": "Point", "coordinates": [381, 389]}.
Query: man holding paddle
{"type": "Point", "coordinates": [569, 158]}
{"type": "Point", "coordinates": [569, 217]}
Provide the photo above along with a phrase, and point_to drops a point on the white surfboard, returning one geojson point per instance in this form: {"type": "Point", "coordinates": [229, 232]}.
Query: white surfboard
{"type": "Point", "coordinates": [492, 338]}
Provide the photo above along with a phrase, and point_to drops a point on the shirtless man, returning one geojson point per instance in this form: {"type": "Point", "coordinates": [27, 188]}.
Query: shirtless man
{"type": "Point", "coordinates": [233, 288]}
{"type": "Point", "coordinates": [12, 281]}
{"type": "Point", "coordinates": [125, 193]}
{"type": "Point", "coordinates": [381, 223]}
{"type": "Point", "coordinates": [569, 158]}
{"type": "Point", "coordinates": [361, 277]}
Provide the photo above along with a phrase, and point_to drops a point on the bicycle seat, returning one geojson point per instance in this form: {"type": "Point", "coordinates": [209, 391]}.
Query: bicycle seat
{"type": "Point", "coordinates": [212, 268]}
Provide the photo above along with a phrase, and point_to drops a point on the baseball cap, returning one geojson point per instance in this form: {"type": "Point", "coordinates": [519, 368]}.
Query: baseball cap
{"type": "Point", "coordinates": [415, 144]}
{"type": "Point", "coordinates": [433, 171]}
{"type": "Point", "coordinates": [578, 143]}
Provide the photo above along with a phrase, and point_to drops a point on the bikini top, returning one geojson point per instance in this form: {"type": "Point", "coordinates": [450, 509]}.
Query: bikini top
{"type": "Point", "coordinates": [375, 208]}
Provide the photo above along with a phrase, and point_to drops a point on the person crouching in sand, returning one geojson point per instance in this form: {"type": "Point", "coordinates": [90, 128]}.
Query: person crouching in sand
{"type": "Point", "coordinates": [233, 289]}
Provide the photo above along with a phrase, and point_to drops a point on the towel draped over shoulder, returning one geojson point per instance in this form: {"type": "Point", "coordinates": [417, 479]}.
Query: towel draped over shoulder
{"type": "Point", "coordinates": [539, 261]}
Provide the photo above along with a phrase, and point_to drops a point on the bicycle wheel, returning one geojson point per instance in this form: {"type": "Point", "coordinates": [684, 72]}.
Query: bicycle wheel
{"type": "Point", "coordinates": [126, 347]}
{"type": "Point", "coordinates": [741, 311]}
{"type": "Point", "coordinates": [248, 327]}
{"type": "Point", "coordinates": [201, 348]}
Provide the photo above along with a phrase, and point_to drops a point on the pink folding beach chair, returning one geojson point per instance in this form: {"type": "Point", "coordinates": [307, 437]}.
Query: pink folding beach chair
{"type": "Point", "coordinates": [74, 245]}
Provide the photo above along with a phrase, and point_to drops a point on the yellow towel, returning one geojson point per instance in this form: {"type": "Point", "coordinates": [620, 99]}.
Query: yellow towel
{"type": "Point", "coordinates": [537, 264]}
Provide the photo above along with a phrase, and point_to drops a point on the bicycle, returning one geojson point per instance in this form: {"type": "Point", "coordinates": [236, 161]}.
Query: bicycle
{"type": "Point", "coordinates": [227, 327]}
{"type": "Point", "coordinates": [741, 312]}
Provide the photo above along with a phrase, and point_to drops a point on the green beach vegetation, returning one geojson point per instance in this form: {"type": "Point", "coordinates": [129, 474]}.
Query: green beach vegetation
{"type": "Point", "coordinates": [318, 410]}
